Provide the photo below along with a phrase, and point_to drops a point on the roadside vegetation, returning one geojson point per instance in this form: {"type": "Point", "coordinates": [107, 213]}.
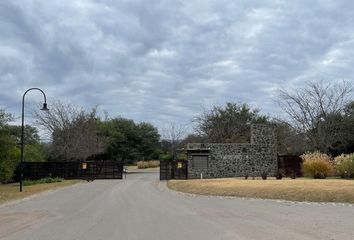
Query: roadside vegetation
{"type": "Point", "coordinates": [10, 191]}
{"type": "Point", "coordinates": [319, 165]}
{"type": "Point", "coordinates": [148, 164]}
{"type": "Point", "coordinates": [345, 165]}
{"type": "Point", "coordinates": [42, 181]}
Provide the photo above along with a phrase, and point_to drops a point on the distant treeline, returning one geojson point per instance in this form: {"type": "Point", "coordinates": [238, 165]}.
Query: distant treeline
{"type": "Point", "coordinates": [318, 116]}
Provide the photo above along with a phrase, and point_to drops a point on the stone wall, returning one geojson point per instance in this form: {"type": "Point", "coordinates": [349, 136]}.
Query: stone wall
{"type": "Point", "coordinates": [235, 160]}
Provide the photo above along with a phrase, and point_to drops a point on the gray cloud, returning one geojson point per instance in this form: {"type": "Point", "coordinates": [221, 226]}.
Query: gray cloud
{"type": "Point", "coordinates": [163, 61]}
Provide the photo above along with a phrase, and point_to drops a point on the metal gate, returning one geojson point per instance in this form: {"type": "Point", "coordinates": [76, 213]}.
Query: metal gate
{"type": "Point", "coordinates": [102, 170]}
{"type": "Point", "coordinates": [72, 170]}
{"type": "Point", "coordinates": [173, 170]}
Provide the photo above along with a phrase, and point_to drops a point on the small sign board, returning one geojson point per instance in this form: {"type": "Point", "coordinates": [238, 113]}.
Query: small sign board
{"type": "Point", "coordinates": [84, 166]}
{"type": "Point", "coordinates": [179, 165]}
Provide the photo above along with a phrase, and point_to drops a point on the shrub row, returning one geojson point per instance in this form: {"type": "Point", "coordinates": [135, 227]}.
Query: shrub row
{"type": "Point", "coordinates": [148, 164]}
{"type": "Point", "coordinates": [319, 165]}
{"type": "Point", "coordinates": [345, 165]}
{"type": "Point", "coordinates": [42, 181]}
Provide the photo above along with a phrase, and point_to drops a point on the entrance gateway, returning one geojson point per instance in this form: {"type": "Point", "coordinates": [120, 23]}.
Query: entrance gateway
{"type": "Point", "coordinates": [221, 160]}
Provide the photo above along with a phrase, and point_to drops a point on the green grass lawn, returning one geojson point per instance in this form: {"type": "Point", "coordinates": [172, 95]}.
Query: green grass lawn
{"type": "Point", "coordinates": [301, 189]}
{"type": "Point", "coordinates": [11, 191]}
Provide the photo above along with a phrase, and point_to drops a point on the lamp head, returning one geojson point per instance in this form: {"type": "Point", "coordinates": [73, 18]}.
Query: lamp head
{"type": "Point", "coordinates": [45, 107]}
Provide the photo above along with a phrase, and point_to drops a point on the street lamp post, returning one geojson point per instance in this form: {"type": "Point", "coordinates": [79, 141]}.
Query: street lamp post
{"type": "Point", "coordinates": [44, 108]}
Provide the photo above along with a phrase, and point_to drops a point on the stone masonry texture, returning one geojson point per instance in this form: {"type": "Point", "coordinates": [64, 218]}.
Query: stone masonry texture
{"type": "Point", "coordinates": [236, 160]}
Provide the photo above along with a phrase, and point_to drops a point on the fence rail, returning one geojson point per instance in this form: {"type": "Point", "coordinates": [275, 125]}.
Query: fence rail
{"type": "Point", "coordinates": [72, 170]}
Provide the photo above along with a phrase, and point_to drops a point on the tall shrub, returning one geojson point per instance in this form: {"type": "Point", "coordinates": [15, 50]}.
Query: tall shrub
{"type": "Point", "coordinates": [345, 165]}
{"type": "Point", "coordinates": [8, 162]}
{"type": "Point", "coordinates": [316, 164]}
{"type": "Point", "coordinates": [142, 164]}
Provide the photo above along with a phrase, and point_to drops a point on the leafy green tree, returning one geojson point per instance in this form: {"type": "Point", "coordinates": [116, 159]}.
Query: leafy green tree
{"type": "Point", "coordinates": [122, 136]}
{"type": "Point", "coordinates": [149, 140]}
{"type": "Point", "coordinates": [30, 134]}
{"type": "Point", "coordinates": [129, 141]}
{"type": "Point", "coordinates": [9, 153]}
{"type": "Point", "coordinates": [4, 118]}
{"type": "Point", "coordinates": [228, 124]}
{"type": "Point", "coordinates": [33, 149]}
{"type": "Point", "coordinates": [9, 159]}
{"type": "Point", "coordinates": [346, 143]}
{"type": "Point", "coordinates": [34, 153]}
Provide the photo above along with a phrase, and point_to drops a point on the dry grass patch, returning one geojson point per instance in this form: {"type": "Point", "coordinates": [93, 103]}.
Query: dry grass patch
{"type": "Point", "coordinates": [10, 192]}
{"type": "Point", "coordinates": [136, 169]}
{"type": "Point", "coordinates": [131, 167]}
{"type": "Point", "coordinates": [313, 190]}
{"type": "Point", "coordinates": [148, 164]}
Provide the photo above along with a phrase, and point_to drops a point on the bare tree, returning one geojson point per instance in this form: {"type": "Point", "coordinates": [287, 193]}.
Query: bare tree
{"type": "Point", "coordinates": [74, 131]}
{"type": "Point", "coordinates": [173, 134]}
{"type": "Point", "coordinates": [315, 111]}
{"type": "Point", "coordinates": [290, 142]}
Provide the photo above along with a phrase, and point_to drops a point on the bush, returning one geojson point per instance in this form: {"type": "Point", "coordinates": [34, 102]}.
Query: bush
{"type": "Point", "coordinates": [182, 157]}
{"type": "Point", "coordinates": [345, 165]}
{"type": "Point", "coordinates": [148, 164]}
{"type": "Point", "coordinates": [42, 181]}
{"type": "Point", "coordinates": [264, 175]}
{"type": "Point", "coordinates": [317, 165]}
{"type": "Point", "coordinates": [154, 164]}
{"type": "Point", "coordinates": [142, 164]}
{"type": "Point", "coordinates": [8, 164]}
{"type": "Point", "coordinates": [166, 157]}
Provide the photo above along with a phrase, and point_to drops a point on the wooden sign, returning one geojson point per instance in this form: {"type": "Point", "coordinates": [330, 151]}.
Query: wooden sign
{"type": "Point", "coordinates": [179, 165]}
{"type": "Point", "coordinates": [84, 166]}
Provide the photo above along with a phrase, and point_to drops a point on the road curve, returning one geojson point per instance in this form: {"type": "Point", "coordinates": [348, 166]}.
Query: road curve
{"type": "Point", "coordinates": [142, 208]}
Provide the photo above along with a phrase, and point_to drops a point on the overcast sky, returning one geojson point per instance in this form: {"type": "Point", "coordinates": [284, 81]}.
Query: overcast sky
{"type": "Point", "coordinates": [164, 61]}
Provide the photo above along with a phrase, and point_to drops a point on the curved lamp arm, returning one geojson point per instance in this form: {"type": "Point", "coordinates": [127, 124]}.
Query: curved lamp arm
{"type": "Point", "coordinates": [45, 98]}
{"type": "Point", "coordinates": [44, 108]}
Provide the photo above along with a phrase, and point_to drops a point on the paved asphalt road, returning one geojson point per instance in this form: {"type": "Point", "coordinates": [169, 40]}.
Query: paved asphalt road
{"type": "Point", "coordinates": [141, 207]}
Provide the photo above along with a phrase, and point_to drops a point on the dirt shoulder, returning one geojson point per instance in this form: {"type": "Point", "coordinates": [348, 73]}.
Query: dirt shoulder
{"type": "Point", "coordinates": [9, 192]}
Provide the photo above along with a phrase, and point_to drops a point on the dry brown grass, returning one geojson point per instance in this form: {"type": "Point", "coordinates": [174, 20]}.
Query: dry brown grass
{"type": "Point", "coordinates": [10, 192]}
{"type": "Point", "coordinates": [313, 190]}
{"type": "Point", "coordinates": [148, 164]}
{"type": "Point", "coordinates": [153, 164]}
{"type": "Point", "coordinates": [317, 165]}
